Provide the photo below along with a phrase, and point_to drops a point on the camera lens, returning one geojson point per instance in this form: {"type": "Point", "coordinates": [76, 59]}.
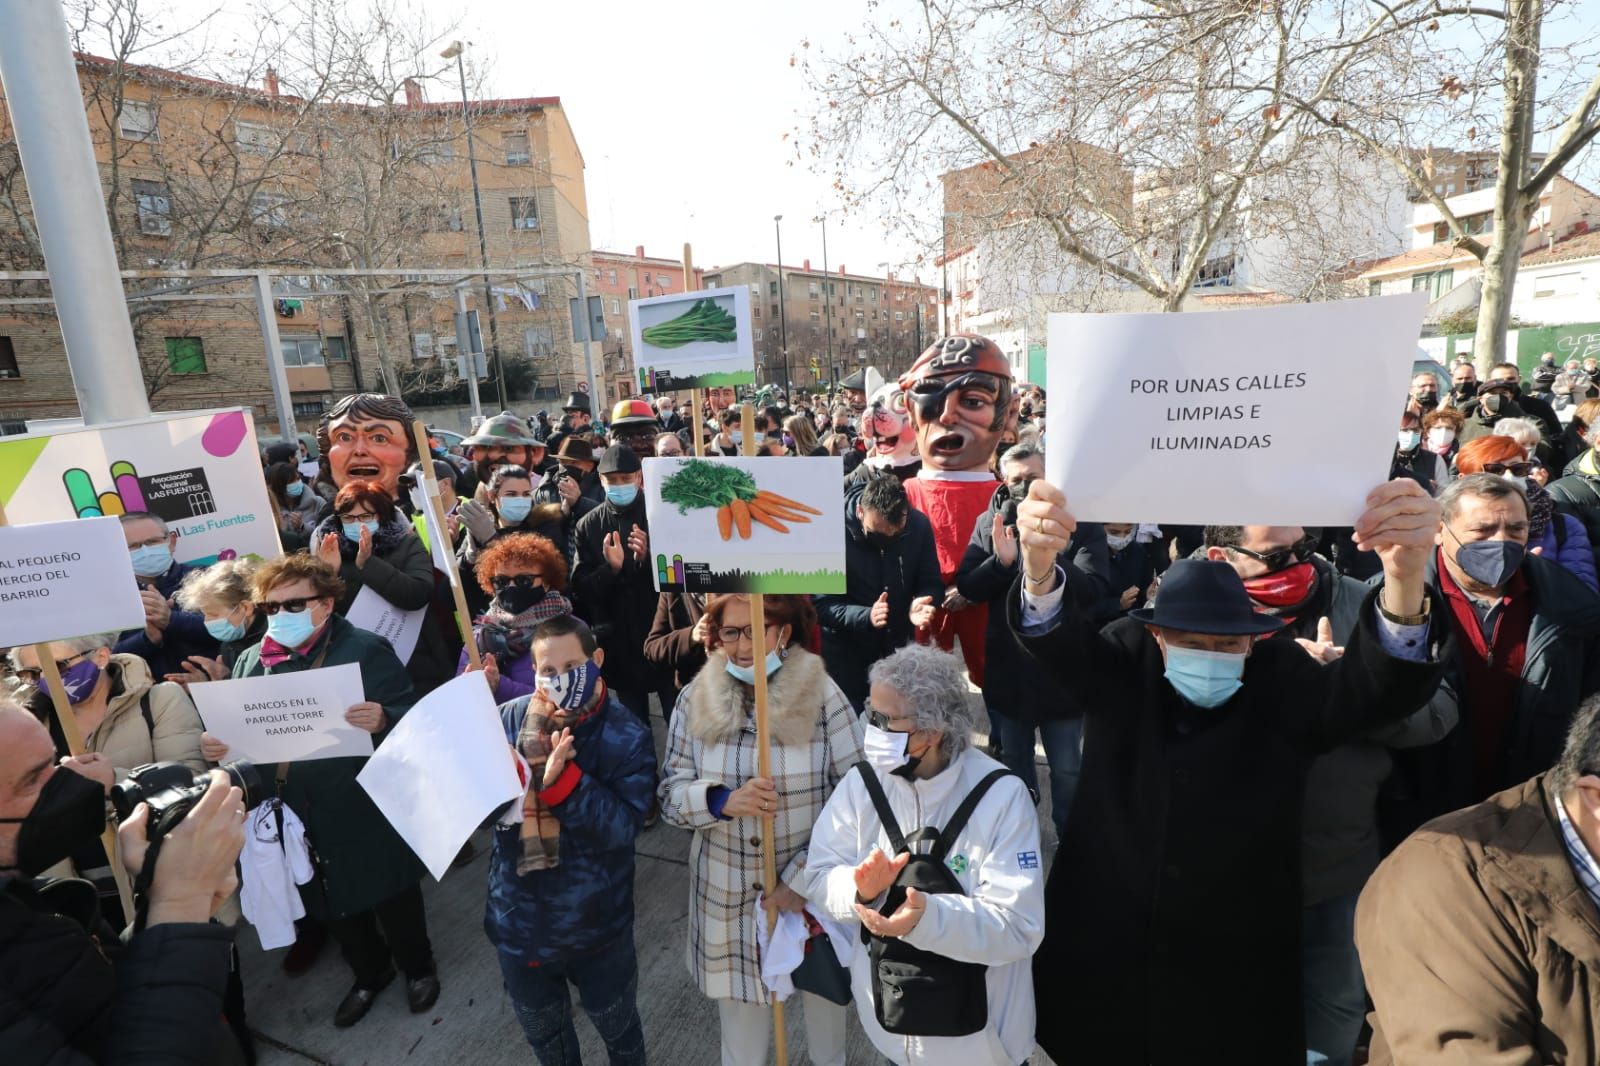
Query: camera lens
{"type": "Point", "coordinates": [243, 775]}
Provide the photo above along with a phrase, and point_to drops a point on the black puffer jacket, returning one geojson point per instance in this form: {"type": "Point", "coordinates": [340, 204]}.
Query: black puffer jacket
{"type": "Point", "coordinates": [909, 569]}
{"type": "Point", "coordinates": [64, 1003]}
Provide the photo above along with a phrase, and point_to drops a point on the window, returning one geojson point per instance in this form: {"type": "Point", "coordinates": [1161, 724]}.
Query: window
{"type": "Point", "coordinates": [813, 289]}
{"type": "Point", "coordinates": [772, 288]}
{"type": "Point", "coordinates": [758, 334]}
{"type": "Point", "coordinates": [12, 427]}
{"type": "Point", "coordinates": [611, 276]}
{"type": "Point", "coordinates": [1435, 284]}
{"type": "Point", "coordinates": [186, 355]}
{"type": "Point", "coordinates": [307, 408]}
{"type": "Point", "coordinates": [816, 316]}
{"type": "Point", "coordinates": [1216, 271]}
{"type": "Point", "coordinates": [422, 346]}
{"type": "Point", "coordinates": [516, 145]}
{"type": "Point", "coordinates": [524, 212]}
{"type": "Point", "coordinates": [254, 137]}
{"type": "Point", "coordinates": [154, 203]}
{"type": "Point", "coordinates": [899, 316]}
{"type": "Point", "coordinates": [772, 309]}
{"type": "Point", "coordinates": [446, 219]}
{"type": "Point", "coordinates": [303, 351]}
{"type": "Point", "coordinates": [1374, 288]}
{"type": "Point", "coordinates": [663, 281]}
{"type": "Point", "coordinates": [137, 121]}
{"type": "Point", "coordinates": [338, 349]}
{"type": "Point", "coordinates": [633, 294]}
{"type": "Point", "coordinates": [267, 209]}
{"type": "Point", "coordinates": [616, 306]}
{"type": "Point", "coordinates": [538, 342]}
{"type": "Point", "coordinates": [8, 359]}
{"type": "Point", "coordinates": [647, 278]}
{"type": "Point", "coordinates": [755, 310]}
{"type": "Point", "coordinates": [436, 152]}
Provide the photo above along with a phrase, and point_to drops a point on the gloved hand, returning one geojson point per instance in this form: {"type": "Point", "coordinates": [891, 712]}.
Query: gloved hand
{"type": "Point", "coordinates": [478, 519]}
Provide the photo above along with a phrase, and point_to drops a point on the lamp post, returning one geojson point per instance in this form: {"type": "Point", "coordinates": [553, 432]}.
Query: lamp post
{"type": "Point", "coordinates": [454, 52]}
{"type": "Point", "coordinates": [944, 273]}
{"type": "Point", "coordinates": [783, 304]}
{"type": "Point", "coordinates": [827, 294]}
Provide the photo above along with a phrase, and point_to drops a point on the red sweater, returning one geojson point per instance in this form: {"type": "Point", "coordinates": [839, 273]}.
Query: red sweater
{"type": "Point", "coordinates": [1491, 671]}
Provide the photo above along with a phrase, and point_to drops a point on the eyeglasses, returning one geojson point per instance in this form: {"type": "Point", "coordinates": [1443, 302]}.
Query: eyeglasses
{"type": "Point", "coordinates": [1279, 558]}
{"type": "Point", "coordinates": [33, 673]}
{"type": "Point", "coordinates": [882, 721]}
{"type": "Point", "coordinates": [1514, 469]}
{"type": "Point", "coordinates": [357, 516]}
{"type": "Point", "coordinates": [294, 606]}
{"type": "Point", "coordinates": [731, 635]}
{"type": "Point", "coordinates": [501, 582]}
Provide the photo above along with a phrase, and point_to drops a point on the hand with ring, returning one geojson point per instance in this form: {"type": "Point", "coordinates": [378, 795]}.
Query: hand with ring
{"type": "Point", "coordinates": [1045, 537]}
{"type": "Point", "coordinates": [752, 799]}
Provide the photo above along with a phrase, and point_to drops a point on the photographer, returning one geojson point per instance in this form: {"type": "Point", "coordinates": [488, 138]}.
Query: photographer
{"type": "Point", "coordinates": [70, 992]}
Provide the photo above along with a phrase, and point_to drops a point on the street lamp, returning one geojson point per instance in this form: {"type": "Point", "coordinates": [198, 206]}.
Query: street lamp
{"type": "Point", "coordinates": [783, 307]}
{"type": "Point", "coordinates": [827, 292]}
{"type": "Point", "coordinates": [944, 273]}
{"type": "Point", "coordinates": [454, 52]}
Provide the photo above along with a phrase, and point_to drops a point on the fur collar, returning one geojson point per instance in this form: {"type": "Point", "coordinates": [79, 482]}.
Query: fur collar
{"type": "Point", "coordinates": [720, 706]}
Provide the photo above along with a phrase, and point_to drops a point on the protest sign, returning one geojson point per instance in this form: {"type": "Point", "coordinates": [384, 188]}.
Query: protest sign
{"type": "Point", "coordinates": [693, 340]}
{"type": "Point", "coordinates": [295, 716]}
{"type": "Point", "coordinates": [438, 546]}
{"type": "Point", "coordinates": [199, 472]}
{"type": "Point", "coordinates": [375, 614]}
{"type": "Point", "coordinates": [1269, 416]}
{"type": "Point", "coordinates": [66, 579]}
{"type": "Point", "coordinates": [746, 524]}
{"type": "Point", "coordinates": [443, 769]}
{"type": "Point", "coordinates": [310, 468]}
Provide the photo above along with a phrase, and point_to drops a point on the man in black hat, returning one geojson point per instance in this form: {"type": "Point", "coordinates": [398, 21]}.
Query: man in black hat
{"type": "Point", "coordinates": [1175, 896]}
{"type": "Point", "coordinates": [853, 390]}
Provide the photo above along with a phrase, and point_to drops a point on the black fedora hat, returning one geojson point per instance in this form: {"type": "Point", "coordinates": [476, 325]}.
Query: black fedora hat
{"type": "Point", "coordinates": [1206, 596]}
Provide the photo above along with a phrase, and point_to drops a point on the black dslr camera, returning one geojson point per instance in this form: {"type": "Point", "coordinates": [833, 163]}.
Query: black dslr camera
{"type": "Point", "coordinates": [170, 790]}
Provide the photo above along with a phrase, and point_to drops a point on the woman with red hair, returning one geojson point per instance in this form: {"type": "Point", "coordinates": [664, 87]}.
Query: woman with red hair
{"type": "Point", "coordinates": [373, 546]}
{"type": "Point", "coordinates": [1558, 537]}
{"type": "Point", "coordinates": [526, 576]}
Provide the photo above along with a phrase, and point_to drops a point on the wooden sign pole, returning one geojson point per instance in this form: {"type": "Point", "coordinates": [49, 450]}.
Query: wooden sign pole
{"type": "Point", "coordinates": [769, 844]}
{"type": "Point", "coordinates": [697, 419]}
{"type": "Point", "coordinates": [439, 529]}
{"type": "Point", "coordinates": [74, 739]}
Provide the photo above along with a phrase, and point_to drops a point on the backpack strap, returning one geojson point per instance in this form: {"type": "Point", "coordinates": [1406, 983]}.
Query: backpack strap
{"type": "Point", "coordinates": [880, 803]}
{"type": "Point", "coordinates": [149, 718]}
{"type": "Point", "coordinates": [958, 821]}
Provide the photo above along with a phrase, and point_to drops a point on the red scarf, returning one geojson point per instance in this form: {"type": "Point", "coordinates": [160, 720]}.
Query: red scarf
{"type": "Point", "coordinates": [1491, 673]}
{"type": "Point", "coordinates": [273, 653]}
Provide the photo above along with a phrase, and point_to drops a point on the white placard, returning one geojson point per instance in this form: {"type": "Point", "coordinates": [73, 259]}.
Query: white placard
{"type": "Point", "coordinates": [66, 579]}
{"type": "Point", "coordinates": [693, 340]}
{"type": "Point", "coordinates": [290, 717]}
{"type": "Point", "coordinates": [438, 546]}
{"type": "Point", "coordinates": [309, 468]}
{"type": "Point", "coordinates": [443, 769]}
{"type": "Point", "coordinates": [1269, 416]}
{"type": "Point", "coordinates": [375, 614]}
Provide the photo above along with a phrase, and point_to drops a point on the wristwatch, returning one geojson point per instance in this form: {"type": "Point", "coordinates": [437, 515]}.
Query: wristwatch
{"type": "Point", "coordinates": [1407, 619]}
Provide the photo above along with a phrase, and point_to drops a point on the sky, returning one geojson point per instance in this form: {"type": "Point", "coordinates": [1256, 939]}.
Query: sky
{"type": "Point", "coordinates": [680, 110]}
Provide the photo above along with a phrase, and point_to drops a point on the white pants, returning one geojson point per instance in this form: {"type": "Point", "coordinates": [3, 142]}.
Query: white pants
{"type": "Point", "coordinates": [747, 1030]}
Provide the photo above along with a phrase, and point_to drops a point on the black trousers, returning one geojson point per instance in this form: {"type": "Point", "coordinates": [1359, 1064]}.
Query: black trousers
{"type": "Point", "coordinates": [395, 929]}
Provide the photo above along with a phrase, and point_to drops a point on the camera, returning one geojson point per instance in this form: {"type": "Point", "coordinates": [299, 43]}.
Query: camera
{"type": "Point", "coordinates": [170, 790]}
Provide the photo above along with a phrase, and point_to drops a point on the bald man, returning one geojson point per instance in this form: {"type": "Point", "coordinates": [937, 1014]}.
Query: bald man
{"type": "Point", "coordinates": [70, 992]}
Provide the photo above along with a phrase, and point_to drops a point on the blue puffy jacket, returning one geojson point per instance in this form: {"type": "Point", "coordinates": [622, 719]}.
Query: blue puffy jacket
{"type": "Point", "coordinates": [1571, 549]}
{"type": "Point", "coordinates": [585, 903]}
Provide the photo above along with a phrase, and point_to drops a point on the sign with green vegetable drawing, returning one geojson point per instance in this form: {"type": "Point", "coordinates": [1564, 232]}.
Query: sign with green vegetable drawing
{"type": "Point", "coordinates": [746, 524]}
{"type": "Point", "coordinates": [693, 340]}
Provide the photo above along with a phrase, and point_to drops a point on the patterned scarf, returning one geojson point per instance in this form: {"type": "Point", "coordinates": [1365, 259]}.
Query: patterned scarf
{"type": "Point", "coordinates": [540, 832]}
{"type": "Point", "coordinates": [1541, 508]}
{"type": "Point", "coordinates": [508, 636]}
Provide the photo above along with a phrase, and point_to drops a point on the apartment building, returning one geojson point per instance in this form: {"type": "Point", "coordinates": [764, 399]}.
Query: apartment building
{"type": "Point", "coordinates": [204, 176]}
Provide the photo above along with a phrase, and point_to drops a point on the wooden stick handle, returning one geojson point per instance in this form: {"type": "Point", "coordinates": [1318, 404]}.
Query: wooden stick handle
{"type": "Point", "coordinates": [437, 529]}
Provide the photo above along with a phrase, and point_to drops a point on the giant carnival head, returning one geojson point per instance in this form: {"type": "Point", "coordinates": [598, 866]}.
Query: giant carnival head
{"type": "Point", "coordinates": [958, 394]}
{"type": "Point", "coordinates": [890, 436]}
{"type": "Point", "coordinates": [367, 437]}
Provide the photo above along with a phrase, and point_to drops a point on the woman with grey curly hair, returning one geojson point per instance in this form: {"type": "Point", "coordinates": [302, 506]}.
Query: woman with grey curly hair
{"type": "Point", "coordinates": [962, 906]}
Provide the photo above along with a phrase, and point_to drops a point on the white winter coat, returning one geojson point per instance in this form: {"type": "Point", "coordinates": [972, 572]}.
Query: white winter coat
{"type": "Point", "coordinates": [999, 922]}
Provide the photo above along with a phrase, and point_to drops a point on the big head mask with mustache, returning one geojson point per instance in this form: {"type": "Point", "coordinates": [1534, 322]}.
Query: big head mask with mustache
{"type": "Point", "coordinates": [958, 394]}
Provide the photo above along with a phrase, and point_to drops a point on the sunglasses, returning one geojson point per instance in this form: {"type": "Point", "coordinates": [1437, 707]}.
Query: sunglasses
{"type": "Point", "coordinates": [878, 718]}
{"type": "Point", "coordinates": [294, 606]}
{"type": "Point", "coordinates": [1522, 469]}
{"type": "Point", "coordinates": [521, 581]}
{"type": "Point", "coordinates": [1280, 558]}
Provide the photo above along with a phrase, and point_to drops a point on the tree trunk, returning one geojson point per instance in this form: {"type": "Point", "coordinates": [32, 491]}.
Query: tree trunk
{"type": "Point", "coordinates": [1512, 208]}
{"type": "Point", "coordinates": [391, 381]}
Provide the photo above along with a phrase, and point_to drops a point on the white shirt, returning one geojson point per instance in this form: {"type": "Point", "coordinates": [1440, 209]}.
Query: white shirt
{"type": "Point", "coordinates": [269, 870]}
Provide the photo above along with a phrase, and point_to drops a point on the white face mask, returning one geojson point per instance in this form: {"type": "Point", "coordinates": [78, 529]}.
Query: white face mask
{"type": "Point", "coordinates": [1408, 439]}
{"type": "Point", "coordinates": [1118, 543]}
{"type": "Point", "coordinates": [885, 751]}
{"type": "Point", "coordinates": [1441, 436]}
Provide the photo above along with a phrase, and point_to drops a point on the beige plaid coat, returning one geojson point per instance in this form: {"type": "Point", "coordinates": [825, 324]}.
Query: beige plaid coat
{"type": "Point", "coordinates": [816, 740]}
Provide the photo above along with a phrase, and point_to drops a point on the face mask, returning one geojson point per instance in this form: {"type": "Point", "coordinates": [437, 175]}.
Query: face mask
{"type": "Point", "coordinates": [1205, 678]}
{"type": "Point", "coordinates": [79, 680]}
{"type": "Point", "coordinates": [736, 435]}
{"type": "Point", "coordinates": [1019, 491]}
{"type": "Point", "coordinates": [224, 630]}
{"type": "Point", "coordinates": [666, 411]}
{"type": "Point", "coordinates": [1288, 587]}
{"type": "Point", "coordinates": [352, 530]}
{"type": "Point", "coordinates": [69, 813]}
{"type": "Point", "coordinates": [1408, 439]}
{"type": "Point", "coordinates": [572, 690]}
{"type": "Point", "coordinates": [295, 489]}
{"type": "Point", "coordinates": [151, 560]}
{"type": "Point", "coordinates": [1465, 389]}
{"type": "Point", "coordinates": [514, 508]}
{"type": "Point", "coordinates": [747, 674]}
{"type": "Point", "coordinates": [1493, 402]}
{"type": "Point", "coordinates": [622, 495]}
{"type": "Point", "coordinates": [1489, 562]}
{"type": "Point", "coordinates": [1119, 543]}
{"type": "Point", "coordinates": [883, 541]}
{"type": "Point", "coordinates": [514, 599]}
{"type": "Point", "coordinates": [1428, 398]}
{"type": "Point", "coordinates": [291, 629]}
{"type": "Point", "coordinates": [1441, 437]}
{"type": "Point", "coordinates": [1520, 482]}
{"type": "Point", "coordinates": [886, 751]}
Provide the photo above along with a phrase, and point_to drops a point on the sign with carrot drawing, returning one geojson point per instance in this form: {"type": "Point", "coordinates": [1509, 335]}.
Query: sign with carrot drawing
{"type": "Point", "coordinates": [746, 524]}
{"type": "Point", "coordinates": [693, 340]}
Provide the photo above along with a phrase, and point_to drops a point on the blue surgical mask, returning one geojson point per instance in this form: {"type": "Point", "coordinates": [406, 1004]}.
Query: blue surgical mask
{"type": "Point", "coordinates": [295, 489]}
{"type": "Point", "coordinates": [513, 509]}
{"type": "Point", "coordinates": [737, 436]}
{"type": "Point", "coordinates": [1408, 439]}
{"type": "Point", "coordinates": [224, 630]}
{"type": "Point", "coordinates": [747, 674]}
{"type": "Point", "coordinates": [622, 495]}
{"type": "Point", "coordinates": [151, 560]}
{"type": "Point", "coordinates": [352, 530]}
{"type": "Point", "coordinates": [1205, 678]}
{"type": "Point", "coordinates": [291, 628]}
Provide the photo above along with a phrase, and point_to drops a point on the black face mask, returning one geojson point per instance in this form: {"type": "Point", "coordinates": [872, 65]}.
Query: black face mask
{"type": "Point", "coordinates": [514, 599]}
{"type": "Point", "coordinates": [69, 813]}
{"type": "Point", "coordinates": [1464, 389]}
{"type": "Point", "coordinates": [883, 541]}
{"type": "Point", "coordinates": [1427, 399]}
{"type": "Point", "coordinates": [573, 472]}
